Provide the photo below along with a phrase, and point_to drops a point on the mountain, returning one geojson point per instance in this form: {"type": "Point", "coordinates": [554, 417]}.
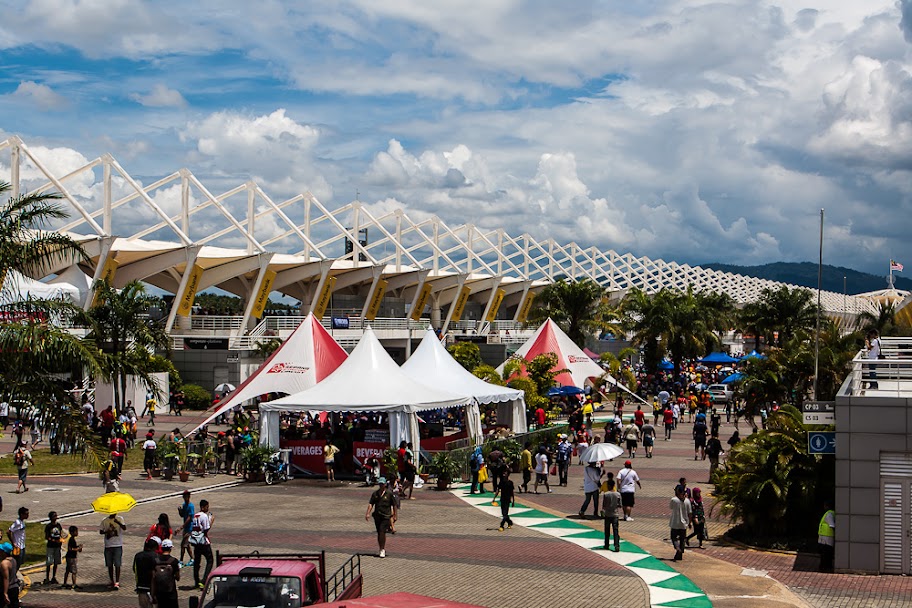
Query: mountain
{"type": "Point", "coordinates": [805, 274]}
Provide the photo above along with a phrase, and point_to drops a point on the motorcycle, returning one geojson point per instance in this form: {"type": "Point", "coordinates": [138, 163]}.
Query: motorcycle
{"type": "Point", "coordinates": [275, 469]}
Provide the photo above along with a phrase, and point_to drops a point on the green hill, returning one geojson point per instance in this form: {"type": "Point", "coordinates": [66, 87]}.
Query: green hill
{"type": "Point", "coordinates": [805, 274]}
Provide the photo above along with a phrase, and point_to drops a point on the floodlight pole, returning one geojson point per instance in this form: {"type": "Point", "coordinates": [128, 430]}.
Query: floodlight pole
{"type": "Point", "coordinates": [817, 332]}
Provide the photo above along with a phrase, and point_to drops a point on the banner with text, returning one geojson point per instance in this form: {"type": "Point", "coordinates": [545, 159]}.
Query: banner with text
{"type": "Point", "coordinates": [325, 296]}
{"type": "Point", "coordinates": [460, 303]}
{"type": "Point", "coordinates": [421, 301]}
{"type": "Point", "coordinates": [189, 295]}
{"type": "Point", "coordinates": [376, 300]}
{"type": "Point", "coordinates": [262, 298]}
{"type": "Point", "coordinates": [525, 308]}
{"type": "Point", "coordinates": [495, 304]}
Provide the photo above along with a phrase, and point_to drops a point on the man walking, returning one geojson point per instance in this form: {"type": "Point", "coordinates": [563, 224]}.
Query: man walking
{"type": "Point", "coordinates": [165, 577]}
{"type": "Point", "coordinates": [112, 528]}
{"type": "Point", "coordinates": [713, 450]}
{"type": "Point", "coordinates": [564, 454]}
{"type": "Point", "coordinates": [507, 499]}
{"type": "Point", "coordinates": [143, 565]}
{"type": "Point", "coordinates": [16, 534]}
{"type": "Point", "coordinates": [202, 546]}
{"type": "Point", "coordinates": [525, 463]}
{"type": "Point", "coordinates": [592, 479]}
{"type": "Point", "coordinates": [610, 505]}
{"type": "Point", "coordinates": [383, 505]}
{"type": "Point", "coordinates": [628, 480]}
{"type": "Point", "coordinates": [679, 521]}
{"type": "Point", "coordinates": [649, 434]}
{"type": "Point", "coordinates": [632, 437]}
{"type": "Point", "coordinates": [186, 510]}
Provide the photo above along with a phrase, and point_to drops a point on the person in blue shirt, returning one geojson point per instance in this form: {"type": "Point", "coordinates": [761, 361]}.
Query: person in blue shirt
{"type": "Point", "coordinates": [186, 510]}
{"type": "Point", "coordinates": [564, 454]}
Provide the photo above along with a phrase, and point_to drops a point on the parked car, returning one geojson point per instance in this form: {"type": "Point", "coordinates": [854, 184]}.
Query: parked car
{"type": "Point", "coordinates": [721, 393]}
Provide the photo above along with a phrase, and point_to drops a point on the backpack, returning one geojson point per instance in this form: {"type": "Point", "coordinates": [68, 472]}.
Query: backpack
{"type": "Point", "coordinates": [163, 578]}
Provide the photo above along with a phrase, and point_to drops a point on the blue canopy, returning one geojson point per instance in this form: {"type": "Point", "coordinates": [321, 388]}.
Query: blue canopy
{"type": "Point", "coordinates": [718, 358]}
{"type": "Point", "coordinates": [666, 364]}
{"type": "Point", "coordinates": [733, 378]}
{"type": "Point", "coordinates": [559, 391]}
{"type": "Point", "coordinates": [753, 355]}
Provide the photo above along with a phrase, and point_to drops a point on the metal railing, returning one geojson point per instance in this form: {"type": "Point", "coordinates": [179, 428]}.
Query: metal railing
{"type": "Point", "coordinates": [461, 454]}
{"type": "Point", "coordinates": [887, 377]}
{"type": "Point", "coordinates": [215, 322]}
{"type": "Point", "coordinates": [342, 578]}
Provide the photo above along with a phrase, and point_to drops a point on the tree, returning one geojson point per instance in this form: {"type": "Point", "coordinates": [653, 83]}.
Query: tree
{"type": "Point", "coordinates": [684, 324]}
{"type": "Point", "coordinates": [617, 370]}
{"type": "Point", "coordinates": [749, 320]}
{"type": "Point", "coordinates": [467, 354]}
{"type": "Point", "coordinates": [883, 320]}
{"type": "Point", "coordinates": [769, 482]}
{"type": "Point", "coordinates": [263, 349]}
{"type": "Point", "coordinates": [786, 311]}
{"type": "Point", "coordinates": [578, 307]}
{"type": "Point", "coordinates": [118, 323]}
{"type": "Point", "coordinates": [488, 373]}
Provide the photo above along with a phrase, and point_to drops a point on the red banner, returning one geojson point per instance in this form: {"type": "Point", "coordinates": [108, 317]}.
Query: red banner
{"type": "Point", "coordinates": [307, 455]}
{"type": "Point", "coordinates": [364, 450]}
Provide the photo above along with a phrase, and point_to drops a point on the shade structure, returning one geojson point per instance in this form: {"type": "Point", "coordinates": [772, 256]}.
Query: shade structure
{"type": "Point", "coordinates": [550, 338]}
{"type": "Point", "coordinates": [368, 381]}
{"type": "Point", "coordinates": [718, 358]}
{"type": "Point", "coordinates": [733, 378]}
{"type": "Point", "coordinates": [666, 365]}
{"type": "Point", "coordinates": [560, 391]}
{"type": "Point", "coordinates": [17, 287]}
{"type": "Point", "coordinates": [433, 366]}
{"type": "Point", "coordinates": [753, 355]}
{"type": "Point", "coordinates": [306, 357]}
{"type": "Point", "coordinates": [113, 502]}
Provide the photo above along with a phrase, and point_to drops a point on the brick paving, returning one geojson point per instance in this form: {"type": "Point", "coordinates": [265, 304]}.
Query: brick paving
{"type": "Point", "coordinates": [449, 550]}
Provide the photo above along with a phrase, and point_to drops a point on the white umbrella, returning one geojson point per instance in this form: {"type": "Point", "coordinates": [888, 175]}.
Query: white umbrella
{"type": "Point", "coordinates": [598, 452]}
{"type": "Point", "coordinates": [224, 387]}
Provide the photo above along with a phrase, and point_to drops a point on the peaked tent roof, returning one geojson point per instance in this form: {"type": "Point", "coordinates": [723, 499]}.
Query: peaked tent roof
{"type": "Point", "coordinates": [305, 358]}
{"type": "Point", "coordinates": [369, 380]}
{"type": "Point", "coordinates": [718, 358]}
{"type": "Point", "coordinates": [549, 338]}
{"type": "Point", "coordinates": [433, 366]}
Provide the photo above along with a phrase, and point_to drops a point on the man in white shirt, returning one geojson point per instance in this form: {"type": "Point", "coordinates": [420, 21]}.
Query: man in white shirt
{"type": "Point", "coordinates": [628, 480]}
{"type": "Point", "coordinates": [16, 534]}
{"type": "Point", "coordinates": [113, 527]}
{"type": "Point", "coordinates": [541, 469]}
{"type": "Point", "coordinates": [199, 540]}
{"type": "Point", "coordinates": [679, 521]}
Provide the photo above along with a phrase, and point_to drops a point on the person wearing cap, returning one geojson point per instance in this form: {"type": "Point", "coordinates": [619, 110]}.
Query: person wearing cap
{"type": "Point", "coordinates": [383, 505]}
{"type": "Point", "coordinates": [143, 566]}
{"type": "Point", "coordinates": [164, 593]}
{"type": "Point", "coordinates": [628, 480]}
{"type": "Point", "coordinates": [9, 581]}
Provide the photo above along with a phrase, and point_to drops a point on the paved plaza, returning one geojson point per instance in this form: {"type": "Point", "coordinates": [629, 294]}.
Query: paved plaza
{"type": "Point", "coordinates": [449, 548]}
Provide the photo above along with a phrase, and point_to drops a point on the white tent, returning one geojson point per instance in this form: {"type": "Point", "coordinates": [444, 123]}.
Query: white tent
{"type": "Point", "coordinates": [305, 358]}
{"type": "Point", "coordinates": [368, 381]}
{"type": "Point", "coordinates": [550, 338]}
{"type": "Point", "coordinates": [433, 366]}
{"type": "Point", "coordinates": [17, 287]}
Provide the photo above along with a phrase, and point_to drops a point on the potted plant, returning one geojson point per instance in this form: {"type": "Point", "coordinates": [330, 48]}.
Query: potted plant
{"type": "Point", "coordinates": [390, 462]}
{"type": "Point", "coordinates": [446, 468]}
{"type": "Point", "coordinates": [423, 473]}
{"type": "Point", "coordinates": [512, 450]}
{"type": "Point", "coordinates": [253, 457]}
{"type": "Point", "coordinates": [169, 456]}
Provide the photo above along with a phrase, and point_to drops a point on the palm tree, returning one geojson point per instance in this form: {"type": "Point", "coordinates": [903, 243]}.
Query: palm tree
{"type": "Point", "coordinates": [578, 307]}
{"type": "Point", "coordinates": [617, 370]}
{"type": "Point", "coordinates": [749, 320]}
{"type": "Point", "coordinates": [25, 246]}
{"type": "Point", "coordinates": [769, 482]}
{"type": "Point", "coordinates": [787, 311]}
{"type": "Point", "coordinates": [883, 319]}
{"type": "Point", "coordinates": [264, 349]}
{"type": "Point", "coordinates": [118, 323]}
{"type": "Point", "coordinates": [683, 324]}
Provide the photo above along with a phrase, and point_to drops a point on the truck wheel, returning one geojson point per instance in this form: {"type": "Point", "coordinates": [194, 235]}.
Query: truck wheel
{"type": "Point", "coordinates": [270, 479]}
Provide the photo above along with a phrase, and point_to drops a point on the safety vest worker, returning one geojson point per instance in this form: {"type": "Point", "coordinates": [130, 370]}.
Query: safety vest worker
{"type": "Point", "coordinates": [825, 529]}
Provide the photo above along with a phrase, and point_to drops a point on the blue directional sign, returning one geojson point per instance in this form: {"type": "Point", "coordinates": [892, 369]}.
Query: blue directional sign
{"type": "Point", "coordinates": [822, 443]}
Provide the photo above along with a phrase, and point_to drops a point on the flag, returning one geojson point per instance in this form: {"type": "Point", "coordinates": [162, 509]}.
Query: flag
{"type": "Point", "coordinates": [894, 265]}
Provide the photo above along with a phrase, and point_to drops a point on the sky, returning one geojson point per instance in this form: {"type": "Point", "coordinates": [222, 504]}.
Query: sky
{"type": "Point", "coordinates": [687, 130]}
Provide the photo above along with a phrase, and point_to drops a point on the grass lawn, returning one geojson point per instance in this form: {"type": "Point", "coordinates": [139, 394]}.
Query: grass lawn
{"type": "Point", "coordinates": [50, 464]}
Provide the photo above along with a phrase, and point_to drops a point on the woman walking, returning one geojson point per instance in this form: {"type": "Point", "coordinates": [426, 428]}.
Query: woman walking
{"type": "Point", "coordinates": [697, 517]}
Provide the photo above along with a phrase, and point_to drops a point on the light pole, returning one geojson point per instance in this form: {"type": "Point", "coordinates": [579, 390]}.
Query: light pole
{"type": "Point", "coordinates": [817, 331]}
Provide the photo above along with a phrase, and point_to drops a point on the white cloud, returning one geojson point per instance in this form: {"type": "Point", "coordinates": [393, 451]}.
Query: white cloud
{"type": "Point", "coordinates": [160, 97]}
{"type": "Point", "coordinates": [41, 95]}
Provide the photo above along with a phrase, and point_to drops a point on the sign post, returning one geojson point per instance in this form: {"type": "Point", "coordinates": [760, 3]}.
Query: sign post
{"type": "Point", "coordinates": [822, 442]}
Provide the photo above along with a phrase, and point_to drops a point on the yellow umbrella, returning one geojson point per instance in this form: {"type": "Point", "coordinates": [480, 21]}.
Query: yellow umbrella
{"type": "Point", "coordinates": [113, 502]}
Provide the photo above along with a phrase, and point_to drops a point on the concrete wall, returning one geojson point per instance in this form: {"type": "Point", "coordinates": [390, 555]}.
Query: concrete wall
{"type": "Point", "coordinates": [865, 427]}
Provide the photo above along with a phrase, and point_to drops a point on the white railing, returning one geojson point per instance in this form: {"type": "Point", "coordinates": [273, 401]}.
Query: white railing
{"type": "Point", "coordinates": [215, 322]}
{"type": "Point", "coordinates": [888, 377]}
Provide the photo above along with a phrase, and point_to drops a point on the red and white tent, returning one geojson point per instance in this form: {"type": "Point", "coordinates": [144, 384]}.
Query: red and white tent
{"type": "Point", "coordinates": [307, 356]}
{"type": "Point", "coordinates": [550, 338]}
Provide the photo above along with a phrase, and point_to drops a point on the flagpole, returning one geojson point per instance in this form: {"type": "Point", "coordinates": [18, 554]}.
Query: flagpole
{"type": "Point", "coordinates": [817, 331]}
{"type": "Point", "coordinates": [891, 273]}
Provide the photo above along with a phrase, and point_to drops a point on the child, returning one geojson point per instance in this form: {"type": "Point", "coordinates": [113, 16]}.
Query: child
{"type": "Point", "coordinates": [395, 487]}
{"type": "Point", "coordinates": [73, 549]}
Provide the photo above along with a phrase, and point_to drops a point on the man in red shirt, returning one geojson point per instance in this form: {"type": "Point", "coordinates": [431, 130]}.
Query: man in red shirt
{"type": "Point", "coordinates": [107, 423]}
{"type": "Point", "coordinates": [638, 417]}
{"type": "Point", "coordinates": [540, 417]}
{"type": "Point", "coordinates": [118, 452]}
{"type": "Point", "coordinates": [668, 419]}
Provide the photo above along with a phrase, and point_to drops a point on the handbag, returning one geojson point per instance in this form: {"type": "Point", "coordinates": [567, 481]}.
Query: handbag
{"type": "Point", "coordinates": [482, 474]}
{"type": "Point", "coordinates": [554, 469]}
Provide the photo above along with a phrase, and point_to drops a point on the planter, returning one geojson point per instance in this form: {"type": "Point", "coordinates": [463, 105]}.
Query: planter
{"type": "Point", "coordinates": [168, 474]}
{"type": "Point", "coordinates": [424, 476]}
{"type": "Point", "coordinates": [253, 477]}
{"type": "Point", "coordinates": [184, 476]}
{"type": "Point", "coordinates": [156, 472]}
{"type": "Point", "coordinates": [514, 468]}
{"type": "Point", "coordinates": [442, 484]}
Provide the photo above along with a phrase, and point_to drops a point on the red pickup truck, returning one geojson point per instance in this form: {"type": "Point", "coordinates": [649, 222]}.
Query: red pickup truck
{"type": "Point", "coordinates": [272, 580]}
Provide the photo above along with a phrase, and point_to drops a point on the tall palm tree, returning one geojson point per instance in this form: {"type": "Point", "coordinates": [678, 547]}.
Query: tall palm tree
{"type": "Point", "coordinates": [118, 323]}
{"type": "Point", "coordinates": [787, 311]}
{"type": "Point", "coordinates": [578, 307]}
{"type": "Point", "coordinates": [749, 320]}
{"type": "Point", "coordinates": [684, 324]}
{"type": "Point", "coordinates": [883, 319]}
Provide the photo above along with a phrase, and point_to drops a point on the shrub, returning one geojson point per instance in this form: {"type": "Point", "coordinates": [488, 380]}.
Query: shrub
{"type": "Point", "coordinates": [196, 397]}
